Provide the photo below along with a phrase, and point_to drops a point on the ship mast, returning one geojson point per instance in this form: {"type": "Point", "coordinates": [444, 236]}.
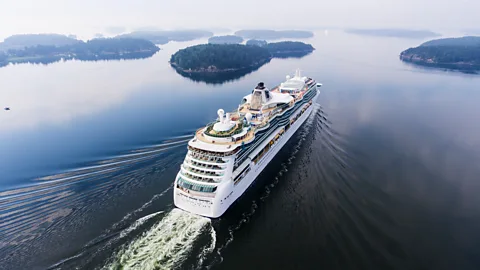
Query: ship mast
{"type": "Point", "coordinates": [298, 73]}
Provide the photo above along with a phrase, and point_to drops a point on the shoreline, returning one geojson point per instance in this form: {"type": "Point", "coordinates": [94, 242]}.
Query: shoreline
{"type": "Point", "coordinates": [295, 51]}
{"type": "Point", "coordinates": [416, 60]}
{"type": "Point", "coordinates": [79, 56]}
{"type": "Point", "coordinates": [217, 71]}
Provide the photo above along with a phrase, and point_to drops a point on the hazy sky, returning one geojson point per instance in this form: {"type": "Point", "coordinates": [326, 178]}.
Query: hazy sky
{"type": "Point", "coordinates": [87, 17]}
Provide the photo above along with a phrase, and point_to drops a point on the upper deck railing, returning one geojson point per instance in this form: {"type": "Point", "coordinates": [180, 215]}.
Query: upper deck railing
{"type": "Point", "coordinates": [262, 122]}
{"type": "Point", "coordinates": [224, 134]}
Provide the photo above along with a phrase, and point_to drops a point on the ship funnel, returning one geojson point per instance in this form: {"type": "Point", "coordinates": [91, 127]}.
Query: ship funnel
{"type": "Point", "coordinates": [220, 113]}
{"type": "Point", "coordinates": [260, 86]}
{"type": "Point", "coordinates": [227, 119]}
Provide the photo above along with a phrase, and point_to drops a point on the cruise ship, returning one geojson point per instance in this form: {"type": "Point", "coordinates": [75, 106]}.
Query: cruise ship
{"type": "Point", "coordinates": [226, 156]}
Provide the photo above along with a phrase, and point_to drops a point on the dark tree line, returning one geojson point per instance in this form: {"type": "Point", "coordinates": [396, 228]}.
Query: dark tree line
{"type": "Point", "coordinates": [444, 54]}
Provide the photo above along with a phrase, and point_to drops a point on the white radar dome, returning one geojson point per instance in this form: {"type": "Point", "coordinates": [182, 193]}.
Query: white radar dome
{"type": "Point", "coordinates": [288, 77]}
{"type": "Point", "coordinates": [220, 114]}
{"type": "Point", "coordinates": [248, 116]}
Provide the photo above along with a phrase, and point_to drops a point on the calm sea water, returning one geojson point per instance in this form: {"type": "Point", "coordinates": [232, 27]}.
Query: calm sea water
{"type": "Point", "coordinates": [384, 174]}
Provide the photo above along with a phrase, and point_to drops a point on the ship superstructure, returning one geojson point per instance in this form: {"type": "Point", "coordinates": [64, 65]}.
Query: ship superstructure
{"type": "Point", "coordinates": [225, 157]}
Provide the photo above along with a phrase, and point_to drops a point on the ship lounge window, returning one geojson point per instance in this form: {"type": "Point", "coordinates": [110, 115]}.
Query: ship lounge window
{"type": "Point", "coordinates": [182, 183]}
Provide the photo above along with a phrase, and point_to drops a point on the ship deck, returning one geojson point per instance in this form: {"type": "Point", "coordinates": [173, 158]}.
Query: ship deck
{"type": "Point", "coordinates": [227, 146]}
{"type": "Point", "coordinates": [199, 135]}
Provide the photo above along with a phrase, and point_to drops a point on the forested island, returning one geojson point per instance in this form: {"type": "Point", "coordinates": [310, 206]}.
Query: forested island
{"type": "Point", "coordinates": [95, 49]}
{"type": "Point", "coordinates": [273, 34]}
{"type": "Point", "coordinates": [229, 39]}
{"type": "Point", "coordinates": [398, 33]}
{"type": "Point", "coordinates": [221, 58]}
{"type": "Point", "coordinates": [451, 53]}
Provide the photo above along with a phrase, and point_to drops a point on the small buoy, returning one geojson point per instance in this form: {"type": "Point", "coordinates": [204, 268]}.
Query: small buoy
{"type": "Point", "coordinates": [7, 109]}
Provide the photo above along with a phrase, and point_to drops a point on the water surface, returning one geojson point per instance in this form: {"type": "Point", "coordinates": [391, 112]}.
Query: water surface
{"type": "Point", "coordinates": [383, 175]}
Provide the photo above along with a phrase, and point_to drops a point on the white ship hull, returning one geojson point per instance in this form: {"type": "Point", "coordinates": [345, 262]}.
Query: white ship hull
{"type": "Point", "coordinates": [228, 192]}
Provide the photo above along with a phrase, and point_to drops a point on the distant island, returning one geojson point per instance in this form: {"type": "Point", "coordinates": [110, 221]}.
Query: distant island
{"type": "Point", "coordinates": [273, 34]}
{"type": "Point", "coordinates": [95, 49]}
{"type": "Point", "coordinates": [468, 41]}
{"type": "Point", "coordinates": [19, 42]}
{"type": "Point", "coordinates": [285, 48]}
{"type": "Point", "coordinates": [398, 33]}
{"type": "Point", "coordinates": [229, 39]}
{"type": "Point", "coordinates": [256, 42]}
{"type": "Point", "coordinates": [163, 37]}
{"type": "Point", "coordinates": [451, 53]}
{"type": "Point", "coordinates": [222, 58]}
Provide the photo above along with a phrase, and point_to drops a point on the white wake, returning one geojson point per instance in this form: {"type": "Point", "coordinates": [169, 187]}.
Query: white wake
{"type": "Point", "coordinates": [166, 244]}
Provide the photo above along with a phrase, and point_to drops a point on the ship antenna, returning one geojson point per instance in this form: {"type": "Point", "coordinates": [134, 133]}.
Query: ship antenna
{"type": "Point", "coordinates": [297, 73]}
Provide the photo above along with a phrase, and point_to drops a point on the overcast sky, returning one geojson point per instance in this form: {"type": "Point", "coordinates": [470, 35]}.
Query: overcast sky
{"type": "Point", "coordinates": [87, 17]}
